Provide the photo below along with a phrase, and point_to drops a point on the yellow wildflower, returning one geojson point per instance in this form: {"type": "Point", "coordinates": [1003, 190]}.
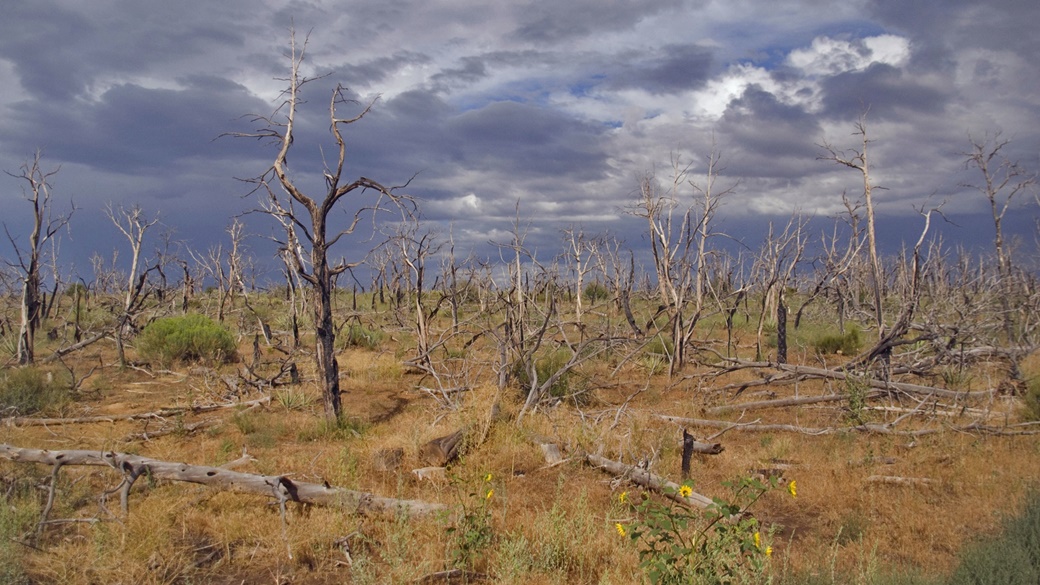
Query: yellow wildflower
{"type": "Point", "coordinates": [620, 528]}
{"type": "Point", "coordinates": [758, 540]}
{"type": "Point", "coordinates": [793, 489]}
{"type": "Point", "coordinates": [623, 497]}
{"type": "Point", "coordinates": [487, 478]}
{"type": "Point", "coordinates": [490, 493]}
{"type": "Point", "coordinates": [769, 551]}
{"type": "Point", "coordinates": [685, 491]}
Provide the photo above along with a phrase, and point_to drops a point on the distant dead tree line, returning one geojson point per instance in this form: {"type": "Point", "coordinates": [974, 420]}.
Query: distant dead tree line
{"type": "Point", "coordinates": [929, 306]}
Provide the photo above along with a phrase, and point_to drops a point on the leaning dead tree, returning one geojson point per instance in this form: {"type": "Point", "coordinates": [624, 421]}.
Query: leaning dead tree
{"type": "Point", "coordinates": [858, 160]}
{"type": "Point", "coordinates": [1002, 181]}
{"type": "Point", "coordinates": [133, 224]}
{"type": "Point", "coordinates": [311, 224]}
{"type": "Point", "coordinates": [44, 226]}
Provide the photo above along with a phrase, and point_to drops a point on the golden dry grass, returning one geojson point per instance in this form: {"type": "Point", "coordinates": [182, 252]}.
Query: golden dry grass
{"type": "Point", "coordinates": [550, 524]}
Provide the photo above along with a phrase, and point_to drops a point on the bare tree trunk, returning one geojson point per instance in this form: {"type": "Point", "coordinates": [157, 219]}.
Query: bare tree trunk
{"type": "Point", "coordinates": [316, 271]}
{"type": "Point", "coordinates": [44, 227]}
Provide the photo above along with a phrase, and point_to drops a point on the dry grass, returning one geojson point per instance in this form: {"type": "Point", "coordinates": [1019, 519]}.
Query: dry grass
{"type": "Point", "coordinates": [549, 524]}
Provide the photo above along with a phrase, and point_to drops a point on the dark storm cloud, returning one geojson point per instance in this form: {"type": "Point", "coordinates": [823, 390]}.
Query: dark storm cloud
{"type": "Point", "coordinates": [518, 137]}
{"type": "Point", "coordinates": [131, 129]}
{"type": "Point", "coordinates": [66, 52]}
{"type": "Point", "coordinates": [772, 139]}
{"type": "Point", "coordinates": [887, 92]}
{"type": "Point", "coordinates": [671, 69]}
{"type": "Point", "coordinates": [549, 21]}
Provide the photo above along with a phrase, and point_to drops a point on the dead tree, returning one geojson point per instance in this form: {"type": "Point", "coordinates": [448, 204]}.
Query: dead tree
{"type": "Point", "coordinates": [779, 256]}
{"type": "Point", "coordinates": [859, 161]}
{"type": "Point", "coordinates": [45, 225]}
{"type": "Point", "coordinates": [680, 245]}
{"type": "Point", "coordinates": [133, 224]}
{"type": "Point", "coordinates": [312, 221]}
{"type": "Point", "coordinates": [1002, 181]}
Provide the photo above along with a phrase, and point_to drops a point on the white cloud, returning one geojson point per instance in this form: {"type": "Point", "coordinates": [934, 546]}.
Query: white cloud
{"type": "Point", "coordinates": [827, 56]}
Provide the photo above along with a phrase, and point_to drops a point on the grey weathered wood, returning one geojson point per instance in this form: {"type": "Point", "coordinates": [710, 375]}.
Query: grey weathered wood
{"type": "Point", "coordinates": [280, 487]}
{"type": "Point", "coordinates": [647, 479]}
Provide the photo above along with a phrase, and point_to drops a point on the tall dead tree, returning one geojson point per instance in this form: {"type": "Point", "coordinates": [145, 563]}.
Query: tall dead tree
{"type": "Point", "coordinates": [312, 221]}
{"type": "Point", "coordinates": [859, 161]}
{"type": "Point", "coordinates": [133, 224]}
{"type": "Point", "coordinates": [1002, 181]}
{"type": "Point", "coordinates": [44, 226]}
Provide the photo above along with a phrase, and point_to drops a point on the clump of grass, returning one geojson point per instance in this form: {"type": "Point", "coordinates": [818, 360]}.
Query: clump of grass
{"type": "Point", "coordinates": [185, 338]}
{"type": "Point", "coordinates": [1011, 559]}
{"type": "Point", "coordinates": [359, 336]}
{"type": "Point", "coordinates": [848, 343]}
{"type": "Point", "coordinates": [595, 292]}
{"type": "Point", "coordinates": [567, 385]}
{"type": "Point", "coordinates": [1031, 400]}
{"type": "Point", "coordinates": [29, 390]}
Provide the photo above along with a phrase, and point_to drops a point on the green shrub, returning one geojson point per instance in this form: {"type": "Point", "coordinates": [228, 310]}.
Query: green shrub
{"type": "Point", "coordinates": [357, 335]}
{"type": "Point", "coordinates": [1009, 560]}
{"type": "Point", "coordinates": [595, 292]}
{"type": "Point", "coordinates": [1031, 400]}
{"type": "Point", "coordinates": [566, 386]}
{"type": "Point", "coordinates": [836, 343]}
{"type": "Point", "coordinates": [28, 390]}
{"type": "Point", "coordinates": [185, 338]}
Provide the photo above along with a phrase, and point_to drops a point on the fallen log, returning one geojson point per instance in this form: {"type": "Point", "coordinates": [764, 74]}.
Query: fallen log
{"type": "Point", "coordinates": [810, 371]}
{"type": "Point", "coordinates": [28, 421]}
{"type": "Point", "coordinates": [782, 402]}
{"type": "Point", "coordinates": [279, 487]}
{"type": "Point", "coordinates": [648, 480]}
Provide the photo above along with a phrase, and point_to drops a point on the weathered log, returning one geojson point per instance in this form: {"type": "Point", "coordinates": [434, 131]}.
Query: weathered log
{"type": "Point", "coordinates": [279, 487]}
{"type": "Point", "coordinates": [648, 480]}
{"type": "Point", "coordinates": [810, 371]}
{"type": "Point", "coordinates": [898, 480]}
{"type": "Point", "coordinates": [782, 402]}
{"type": "Point", "coordinates": [28, 421]}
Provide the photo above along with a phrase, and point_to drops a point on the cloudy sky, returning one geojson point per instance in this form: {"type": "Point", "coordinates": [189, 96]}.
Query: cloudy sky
{"type": "Point", "coordinates": [558, 106]}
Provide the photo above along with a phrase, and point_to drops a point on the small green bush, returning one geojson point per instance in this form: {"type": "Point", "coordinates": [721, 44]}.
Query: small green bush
{"type": "Point", "coordinates": [596, 292]}
{"type": "Point", "coordinates": [29, 390]}
{"type": "Point", "coordinates": [836, 343]}
{"type": "Point", "coordinates": [358, 335]}
{"type": "Point", "coordinates": [1009, 560]}
{"type": "Point", "coordinates": [568, 385]}
{"type": "Point", "coordinates": [1031, 400]}
{"type": "Point", "coordinates": [185, 338]}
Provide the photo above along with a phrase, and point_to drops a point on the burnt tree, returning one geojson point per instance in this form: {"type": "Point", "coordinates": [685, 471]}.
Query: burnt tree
{"type": "Point", "coordinates": [308, 229]}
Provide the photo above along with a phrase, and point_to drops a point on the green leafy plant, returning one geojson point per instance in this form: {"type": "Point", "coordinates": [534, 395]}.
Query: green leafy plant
{"type": "Point", "coordinates": [357, 335]}
{"type": "Point", "coordinates": [185, 338]}
{"type": "Point", "coordinates": [720, 544]}
{"type": "Point", "coordinates": [471, 534]}
{"type": "Point", "coordinates": [595, 292]}
{"type": "Point", "coordinates": [28, 390]}
{"type": "Point", "coordinates": [848, 343]}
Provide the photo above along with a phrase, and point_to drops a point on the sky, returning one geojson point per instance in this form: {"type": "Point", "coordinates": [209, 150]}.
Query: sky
{"type": "Point", "coordinates": [548, 110]}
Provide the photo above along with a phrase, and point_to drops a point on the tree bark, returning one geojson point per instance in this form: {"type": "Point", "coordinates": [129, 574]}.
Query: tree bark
{"type": "Point", "coordinates": [279, 487]}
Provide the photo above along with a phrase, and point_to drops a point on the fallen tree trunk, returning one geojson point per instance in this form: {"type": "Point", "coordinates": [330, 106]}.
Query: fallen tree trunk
{"type": "Point", "coordinates": [28, 421]}
{"type": "Point", "coordinates": [278, 487]}
{"type": "Point", "coordinates": [648, 480]}
{"type": "Point", "coordinates": [785, 402]}
{"type": "Point", "coordinates": [810, 371]}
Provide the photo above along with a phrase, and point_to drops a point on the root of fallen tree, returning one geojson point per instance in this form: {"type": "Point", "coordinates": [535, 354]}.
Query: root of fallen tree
{"type": "Point", "coordinates": [280, 487]}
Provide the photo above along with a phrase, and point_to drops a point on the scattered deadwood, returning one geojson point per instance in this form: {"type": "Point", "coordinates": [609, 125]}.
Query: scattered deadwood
{"type": "Point", "coordinates": [454, 576]}
{"type": "Point", "coordinates": [806, 372]}
{"type": "Point", "coordinates": [26, 421]}
{"type": "Point", "coordinates": [880, 429]}
{"type": "Point", "coordinates": [897, 480]}
{"type": "Point", "coordinates": [648, 480]}
{"type": "Point", "coordinates": [279, 487]}
{"type": "Point", "coordinates": [784, 402]}
{"type": "Point", "coordinates": [170, 429]}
